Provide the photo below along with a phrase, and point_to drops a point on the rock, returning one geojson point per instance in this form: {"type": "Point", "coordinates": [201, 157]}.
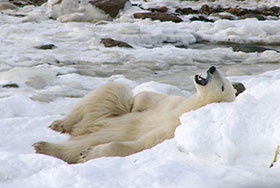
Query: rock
{"type": "Point", "coordinates": [10, 86]}
{"type": "Point", "coordinates": [238, 12]}
{"type": "Point", "coordinates": [46, 47]}
{"type": "Point", "coordinates": [158, 16]}
{"type": "Point", "coordinates": [108, 42]}
{"type": "Point", "coordinates": [205, 9]}
{"type": "Point", "coordinates": [160, 9]}
{"type": "Point", "coordinates": [186, 11]}
{"type": "Point", "coordinates": [275, 10]}
{"type": "Point", "coordinates": [252, 15]}
{"type": "Point", "coordinates": [201, 18]}
{"type": "Point", "coordinates": [247, 48]}
{"type": "Point", "coordinates": [111, 7]}
{"type": "Point", "coordinates": [258, 13]}
{"type": "Point", "coordinates": [241, 13]}
{"type": "Point", "coordinates": [240, 88]}
{"type": "Point", "coordinates": [22, 3]}
{"type": "Point", "coordinates": [226, 16]}
{"type": "Point", "coordinates": [233, 11]}
{"type": "Point", "coordinates": [218, 9]}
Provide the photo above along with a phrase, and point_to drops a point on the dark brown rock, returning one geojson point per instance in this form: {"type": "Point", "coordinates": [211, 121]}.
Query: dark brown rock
{"type": "Point", "coordinates": [160, 9]}
{"type": "Point", "coordinates": [111, 7]}
{"type": "Point", "coordinates": [46, 47]}
{"type": "Point", "coordinates": [238, 12]}
{"type": "Point", "coordinates": [205, 9]}
{"type": "Point", "coordinates": [10, 86]}
{"type": "Point", "coordinates": [275, 10]}
{"type": "Point", "coordinates": [158, 16]}
{"type": "Point", "coordinates": [108, 42]}
{"type": "Point", "coordinates": [22, 3]}
{"type": "Point", "coordinates": [186, 11]}
{"type": "Point", "coordinates": [233, 11]}
{"type": "Point", "coordinates": [251, 15]}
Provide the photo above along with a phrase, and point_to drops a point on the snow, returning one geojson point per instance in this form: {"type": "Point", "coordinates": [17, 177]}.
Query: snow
{"type": "Point", "coordinates": [225, 144]}
{"type": "Point", "coordinates": [220, 145]}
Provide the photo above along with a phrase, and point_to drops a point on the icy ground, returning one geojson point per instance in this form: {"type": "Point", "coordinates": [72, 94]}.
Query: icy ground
{"type": "Point", "coordinates": [153, 56]}
{"type": "Point", "coordinates": [220, 145]}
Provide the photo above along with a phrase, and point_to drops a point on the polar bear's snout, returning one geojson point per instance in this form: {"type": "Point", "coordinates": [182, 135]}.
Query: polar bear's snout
{"type": "Point", "coordinates": [212, 70]}
{"type": "Point", "coordinates": [204, 81]}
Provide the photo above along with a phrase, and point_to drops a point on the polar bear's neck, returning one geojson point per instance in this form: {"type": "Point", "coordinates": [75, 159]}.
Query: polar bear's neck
{"type": "Point", "coordinates": [194, 102]}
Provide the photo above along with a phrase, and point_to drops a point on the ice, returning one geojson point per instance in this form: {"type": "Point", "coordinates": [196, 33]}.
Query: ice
{"type": "Point", "coordinates": [246, 31]}
{"type": "Point", "coordinates": [20, 106]}
{"type": "Point", "coordinates": [35, 77]}
{"type": "Point", "coordinates": [75, 10]}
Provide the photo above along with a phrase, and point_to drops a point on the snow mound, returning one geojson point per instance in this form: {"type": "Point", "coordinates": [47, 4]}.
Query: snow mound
{"type": "Point", "coordinates": [75, 10]}
{"type": "Point", "coordinates": [20, 106]}
{"type": "Point", "coordinates": [35, 77]}
{"type": "Point", "coordinates": [243, 132]}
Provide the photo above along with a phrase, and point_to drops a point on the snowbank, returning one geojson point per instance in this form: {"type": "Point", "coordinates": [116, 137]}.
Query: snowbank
{"type": "Point", "coordinates": [75, 10]}
{"type": "Point", "coordinates": [244, 132]}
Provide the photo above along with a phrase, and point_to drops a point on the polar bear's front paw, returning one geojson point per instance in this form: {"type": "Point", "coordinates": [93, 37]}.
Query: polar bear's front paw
{"type": "Point", "coordinates": [84, 156]}
{"type": "Point", "coordinates": [42, 147]}
{"type": "Point", "coordinates": [58, 126]}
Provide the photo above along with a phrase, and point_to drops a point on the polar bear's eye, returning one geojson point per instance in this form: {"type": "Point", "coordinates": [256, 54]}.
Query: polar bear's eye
{"type": "Point", "coordinates": [223, 88]}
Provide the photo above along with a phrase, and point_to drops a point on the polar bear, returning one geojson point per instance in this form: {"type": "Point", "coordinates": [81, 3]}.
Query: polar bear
{"type": "Point", "coordinates": [111, 122]}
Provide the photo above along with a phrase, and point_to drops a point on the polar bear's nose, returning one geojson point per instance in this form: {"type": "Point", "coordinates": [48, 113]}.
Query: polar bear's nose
{"type": "Point", "coordinates": [212, 69]}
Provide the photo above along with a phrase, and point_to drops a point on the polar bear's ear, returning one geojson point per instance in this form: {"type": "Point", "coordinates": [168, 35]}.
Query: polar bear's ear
{"type": "Point", "coordinates": [239, 87]}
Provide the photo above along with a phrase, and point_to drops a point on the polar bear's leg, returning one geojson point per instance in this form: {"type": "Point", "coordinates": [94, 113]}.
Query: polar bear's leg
{"type": "Point", "coordinates": [63, 126]}
{"type": "Point", "coordinates": [70, 150]}
{"type": "Point", "coordinates": [67, 151]}
{"type": "Point", "coordinates": [111, 99]}
{"type": "Point", "coordinates": [125, 148]}
{"type": "Point", "coordinates": [116, 148]}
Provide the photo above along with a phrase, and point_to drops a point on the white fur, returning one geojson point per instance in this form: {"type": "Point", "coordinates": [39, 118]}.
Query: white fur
{"type": "Point", "coordinates": [111, 122]}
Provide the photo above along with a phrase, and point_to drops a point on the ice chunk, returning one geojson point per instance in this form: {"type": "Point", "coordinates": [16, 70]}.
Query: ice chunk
{"type": "Point", "coordinates": [33, 76]}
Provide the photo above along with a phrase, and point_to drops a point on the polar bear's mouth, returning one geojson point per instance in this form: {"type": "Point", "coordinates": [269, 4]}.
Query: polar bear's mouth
{"type": "Point", "coordinates": [200, 80]}
{"type": "Point", "coordinates": [204, 81]}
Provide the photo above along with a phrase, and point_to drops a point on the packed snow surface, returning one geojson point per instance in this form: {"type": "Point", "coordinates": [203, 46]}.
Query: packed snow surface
{"type": "Point", "coordinates": [220, 145]}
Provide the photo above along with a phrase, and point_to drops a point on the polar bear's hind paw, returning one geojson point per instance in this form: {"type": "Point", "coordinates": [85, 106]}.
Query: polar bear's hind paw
{"type": "Point", "coordinates": [41, 147]}
{"type": "Point", "coordinates": [58, 126]}
{"type": "Point", "coordinates": [83, 155]}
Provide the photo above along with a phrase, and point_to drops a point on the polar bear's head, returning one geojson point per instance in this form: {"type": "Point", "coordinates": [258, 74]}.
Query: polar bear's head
{"type": "Point", "coordinates": [215, 87]}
